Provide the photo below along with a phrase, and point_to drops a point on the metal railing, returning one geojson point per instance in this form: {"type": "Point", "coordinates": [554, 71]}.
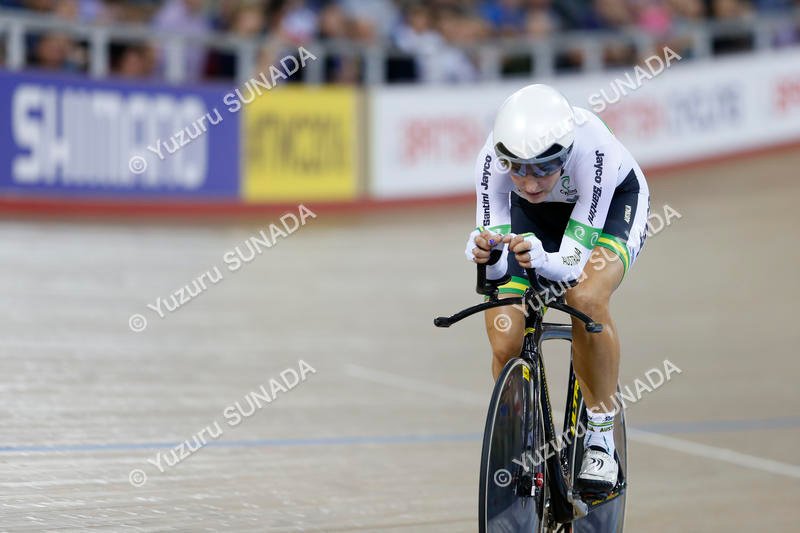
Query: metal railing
{"type": "Point", "coordinates": [16, 26]}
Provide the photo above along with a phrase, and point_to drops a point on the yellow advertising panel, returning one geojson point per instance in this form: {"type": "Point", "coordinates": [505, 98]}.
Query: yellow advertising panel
{"type": "Point", "coordinates": [300, 144]}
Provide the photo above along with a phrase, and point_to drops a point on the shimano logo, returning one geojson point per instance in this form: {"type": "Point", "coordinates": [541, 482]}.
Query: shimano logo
{"type": "Point", "coordinates": [485, 179]}
{"type": "Point", "coordinates": [598, 166]}
{"type": "Point", "coordinates": [485, 203]}
{"type": "Point", "coordinates": [572, 260]}
{"type": "Point", "coordinates": [596, 191]}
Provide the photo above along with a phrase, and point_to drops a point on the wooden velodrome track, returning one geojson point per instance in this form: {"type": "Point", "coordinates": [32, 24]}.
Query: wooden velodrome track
{"type": "Point", "coordinates": [385, 434]}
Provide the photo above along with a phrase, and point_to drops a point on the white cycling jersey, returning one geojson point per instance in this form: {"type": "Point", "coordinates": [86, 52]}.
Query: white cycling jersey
{"type": "Point", "coordinates": [597, 164]}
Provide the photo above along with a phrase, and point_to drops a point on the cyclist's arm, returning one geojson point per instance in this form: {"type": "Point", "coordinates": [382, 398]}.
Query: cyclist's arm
{"type": "Point", "coordinates": [493, 207]}
{"type": "Point", "coordinates": [596, 177]}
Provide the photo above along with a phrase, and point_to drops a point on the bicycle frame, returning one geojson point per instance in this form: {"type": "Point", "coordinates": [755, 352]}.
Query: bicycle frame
{"type": "Point", "coordinates": [565, 505]}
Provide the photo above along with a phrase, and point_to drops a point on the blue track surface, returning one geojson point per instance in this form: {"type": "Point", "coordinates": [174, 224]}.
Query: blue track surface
{"type": "Point", "coordinates": [712, 426]}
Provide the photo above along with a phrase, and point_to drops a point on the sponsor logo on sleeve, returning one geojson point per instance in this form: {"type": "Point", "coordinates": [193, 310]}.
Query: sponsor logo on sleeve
{"type": "Point", "coordinates": [485, 178]}
{"type": "Point", "coordinates": [570, 192]}
{"type": "Point", "coordinates": [572, 260]}
{"type": "Point", "coordinates": [596, 191]}
{"type": "Point", "coordinates": [598, 166]}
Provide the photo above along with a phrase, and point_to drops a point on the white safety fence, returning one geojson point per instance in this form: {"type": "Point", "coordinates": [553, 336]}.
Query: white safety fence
{"type": "Point", "coordinates": [761, 32]}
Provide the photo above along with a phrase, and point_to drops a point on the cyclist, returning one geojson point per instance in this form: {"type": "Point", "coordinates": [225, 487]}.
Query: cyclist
{"type": "Point", "coordinates": [559, 193]}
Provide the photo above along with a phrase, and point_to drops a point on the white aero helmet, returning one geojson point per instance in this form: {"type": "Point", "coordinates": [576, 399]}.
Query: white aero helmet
{"type": "Point", "coordinates": [534, 130]}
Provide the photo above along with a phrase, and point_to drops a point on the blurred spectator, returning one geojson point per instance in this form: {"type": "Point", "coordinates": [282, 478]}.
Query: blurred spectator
{"type": "Point", "coordinates": [298, 22]}
{"type": "Point", "coordinates": [417, 37]}
{"type": "Point", "coordinates": [542, 20]}
{"type": "Point", "coordinates": [506, 17]}
{"type": "Point", "coordinates": [42, 6]}
{"type": "Point", "coordinates": [440, 36]}
{"type": "Point", "coordinates": [68, 9]}
{"type": "Point", "coordinates": [222, 17]}
{"type": "Point", "coordinates": [373, 20]}
{"type": "Point", "coordinates": [608, 15]}
{"type": "Point", "coordinates": [247, 21]}
{"type": "Point", "coordinates": [730, 9]}
{"type": "Point", "coordinates": [686, 13]}
{"type": "Point", "coordinates": [539, 24]}
{"type": "Point", "coordinates": [55, 51]}
{"type": "Point", "coordinates": [132, 60]}
{"type": "Point", "coordinates": [332, 22]}
{"type": "Point", "coordinates": [571, 13]}
{"type": "Point", "coordinates": [779, 6]}
{"type": "Point", "coordinates": [186, 16]}
{"type": "Point", "coordinates": [653, 17]}
{"type": "Point", "coordinates": [452, 63]}
{"type": "Point", "coordinates": [734, 40]}
{"type": "Point", "coordinates": [335, 26]}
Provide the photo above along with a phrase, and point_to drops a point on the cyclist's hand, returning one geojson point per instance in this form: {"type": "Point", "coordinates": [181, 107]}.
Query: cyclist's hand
{"type": "Point", "coordinates": [528, 249]}
{"type": "Point", "coordinates": [481, 243]}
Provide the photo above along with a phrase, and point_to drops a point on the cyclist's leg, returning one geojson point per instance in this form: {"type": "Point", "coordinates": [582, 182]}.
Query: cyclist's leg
{"type": "Point", "coordinates": [596, 356]}
{"type": "Point", "coordinates": [505, 327]}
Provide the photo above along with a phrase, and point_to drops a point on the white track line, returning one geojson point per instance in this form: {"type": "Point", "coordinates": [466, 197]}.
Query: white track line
{"type": "Point", "coordinates": [714, 452]}
{"type": "Point", "coordinates": [637, 435]}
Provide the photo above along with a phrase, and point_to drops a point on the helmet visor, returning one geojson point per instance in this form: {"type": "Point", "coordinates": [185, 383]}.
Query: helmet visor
{"type": "Point", "coordinates": [537, 169]}
{"type": "Point", "coordinates": [543, 166]}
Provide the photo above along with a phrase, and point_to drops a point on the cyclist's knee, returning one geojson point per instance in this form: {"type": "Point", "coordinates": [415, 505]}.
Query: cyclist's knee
{"type": "Point", "coordinates": [505, 327]}
{"type": "Point", "coordinates": [505, 346]}
{"type": "Point", "coordinates": [588, 299]}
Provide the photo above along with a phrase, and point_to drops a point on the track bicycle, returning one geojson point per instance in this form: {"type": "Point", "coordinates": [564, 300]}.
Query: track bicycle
{"type": "Point", "coordinates": [527, 471]}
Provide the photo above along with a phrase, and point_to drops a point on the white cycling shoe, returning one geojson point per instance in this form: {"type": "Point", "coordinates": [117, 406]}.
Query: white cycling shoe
{"type": "Point", "coordinates": [598, 472]}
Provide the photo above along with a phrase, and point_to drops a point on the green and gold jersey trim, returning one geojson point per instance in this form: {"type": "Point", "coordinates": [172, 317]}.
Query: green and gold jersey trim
{"type": "Point", "coordinates": [500, 228]}
{"type": "Point", "coordinates": [517, 285]}
{"type": "Point", "coordinates": [616, 245]}
{"type": "Point", "coordinates": [586, 235]}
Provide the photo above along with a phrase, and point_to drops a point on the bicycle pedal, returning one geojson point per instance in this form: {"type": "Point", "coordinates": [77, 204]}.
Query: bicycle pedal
{"type": "Point", "coordinates": [589, 493]}
{"type": "Point", "coordinates": [595, 498]}
{"type": "Point", "coordinates": [591, 497]}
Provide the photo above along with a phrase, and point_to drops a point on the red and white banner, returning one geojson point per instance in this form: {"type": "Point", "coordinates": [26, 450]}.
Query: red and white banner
{"type": "Point", "coordinates": [424, 140]}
